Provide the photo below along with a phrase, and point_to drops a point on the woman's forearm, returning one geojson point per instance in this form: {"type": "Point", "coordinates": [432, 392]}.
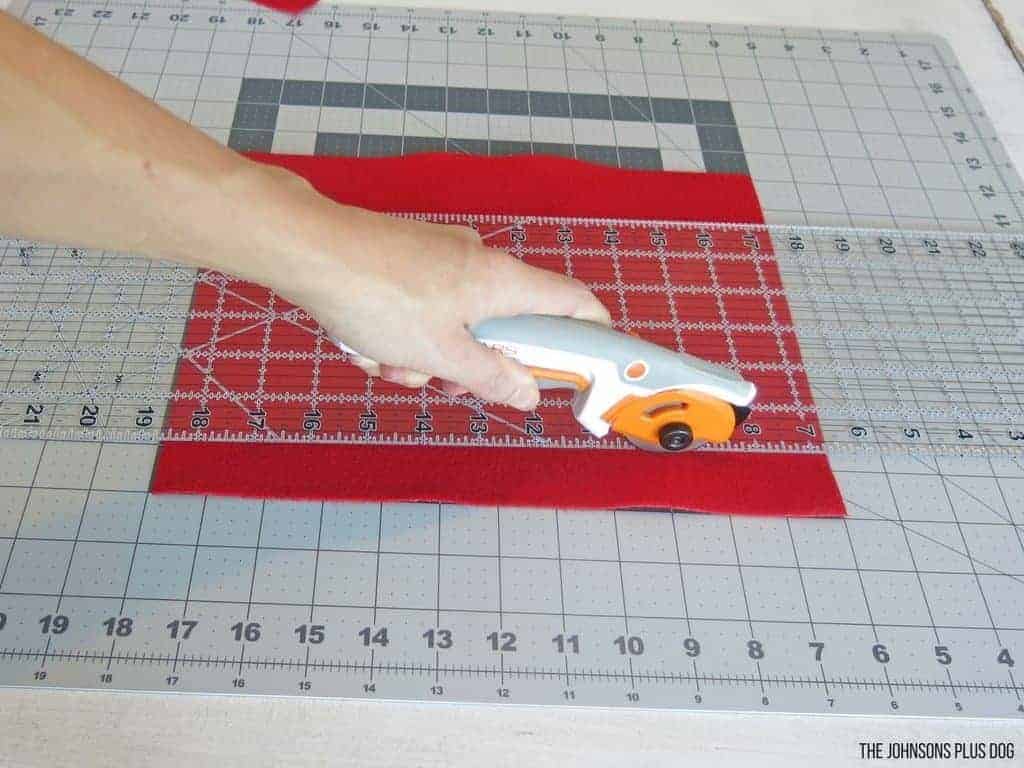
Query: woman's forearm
{"type": "Point", "coordinates": [87, 161]}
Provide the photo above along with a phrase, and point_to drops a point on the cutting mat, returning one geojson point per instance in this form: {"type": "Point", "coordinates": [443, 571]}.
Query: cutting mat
{"type": "Point", "coordinates": [910, 605]}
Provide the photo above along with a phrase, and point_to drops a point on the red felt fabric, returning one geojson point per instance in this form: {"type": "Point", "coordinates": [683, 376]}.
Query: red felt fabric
{"type": "Point", "coordinates": [288, 6]}
{"type": "Point", "coordinates": [797, 485]}
{"type": "Point", "coordinates": [732, 482]}
{"type": "Point", "coordinates": [525, 184]}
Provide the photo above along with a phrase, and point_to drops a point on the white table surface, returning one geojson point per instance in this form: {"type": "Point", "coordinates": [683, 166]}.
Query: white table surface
{"type": "Point", "coordinates": [54, 728]}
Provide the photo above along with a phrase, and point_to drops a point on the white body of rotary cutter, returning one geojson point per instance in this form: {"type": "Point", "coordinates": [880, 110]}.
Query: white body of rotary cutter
{"type": "Point", "coordinates": [658, 399]}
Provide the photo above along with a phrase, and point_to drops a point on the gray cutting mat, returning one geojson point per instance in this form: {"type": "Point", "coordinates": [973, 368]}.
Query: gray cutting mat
{"type": "Point", "coordinates": [911, 605]}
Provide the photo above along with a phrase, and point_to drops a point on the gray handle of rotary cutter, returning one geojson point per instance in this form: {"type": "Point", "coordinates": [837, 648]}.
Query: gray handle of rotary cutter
{"type": "Point", "coordinates": [667, 369]}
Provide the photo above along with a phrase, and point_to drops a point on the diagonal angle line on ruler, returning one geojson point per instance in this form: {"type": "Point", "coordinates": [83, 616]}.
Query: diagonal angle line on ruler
{"type": "Point", "coordinates": [479, 405]}
{"type": "Point", "coordinates": [453, 142]}
{"type": "Point", "coordinates": [904, 526]}
{"type": "Point", "coordinates": [288, 316]}
{"type": "Point", "coordinates": [612, 90]}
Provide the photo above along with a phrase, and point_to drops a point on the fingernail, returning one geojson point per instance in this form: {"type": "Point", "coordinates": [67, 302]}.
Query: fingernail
{"type": "Point", "coordinates": [342, 345]}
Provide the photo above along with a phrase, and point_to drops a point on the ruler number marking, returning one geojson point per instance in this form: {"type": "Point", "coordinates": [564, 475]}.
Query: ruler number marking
{"type": "Point", "coordinates": [632, 645]}
{"type": "Point", "coordinates": [54, 624]}
{"type": "Point", "coordinates": [881, 653]}
{"type": "Point", "coordinates": [313, 634]}
{"type": "Point", "coordinates": [32, 413]}
{"type": "Point", "coordinates": [182, 629]}
{"type": "Point", "coordinates": [373, 636]}
{"type": "Point", "coordinates": [566, 643]}
{"type": "Point", "coordinates": [250, 632]}
{"type": "Point", "coordinates": [439, 638]}
{"type": "Point", "coordinates": [119, 626]}
{"type": "Point", "coordinates": [503, 641]}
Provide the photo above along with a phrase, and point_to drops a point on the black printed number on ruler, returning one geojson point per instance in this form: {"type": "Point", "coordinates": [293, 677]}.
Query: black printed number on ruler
{"type": "Point", "coordinates": [314, 634]}
{"type": "Point", "coordinates": [250, 632]}
{"type": "Point", "coordinates": [312, 421]}
{"type": "Point", "coordinates": [478, 424]}
{"type": "Point", "coordinates": [144, 417]}
{"type": "Point", "coordinates": [3, 621]}
{"type": "Point", "coordinates": [566, 644]}
{"type": "Point", "coordinates": [258, 420]}
{"type": "Point", "coordinates": [977, 248]}
{"type": "Point", "coordinates": [89, 415]}
{"type": "Point", "coordinates": [52, 624]}
{"type": "Point", "coordinates": [182, 629]}
{"type": "Point", "coordinates": [119, 626]}
{"type": "Point", "coordinates": [424, 423]}
{"type": "Point", "coordinates": [439, 638]}
{"type": "Point", "coordinates": [632, 645]}
{"type": "Point", "coordinates": [201, 418]}
{"type": "Point", "coordinates": [502, 641]}
{"type": "Point", "coordinates": [371, 636]}
{"type": "Point", "coordinates": [368, 422]}
{"type": "Point", "coordinates": [32, 413]}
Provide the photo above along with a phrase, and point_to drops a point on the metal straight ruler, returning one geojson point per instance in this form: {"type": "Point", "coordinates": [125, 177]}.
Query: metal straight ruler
{"type": "Point", "coordinates": [909, 326]}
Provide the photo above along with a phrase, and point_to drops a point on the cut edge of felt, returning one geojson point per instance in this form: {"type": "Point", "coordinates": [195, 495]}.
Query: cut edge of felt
{"type": "Point", "coordinates": [799, 485]}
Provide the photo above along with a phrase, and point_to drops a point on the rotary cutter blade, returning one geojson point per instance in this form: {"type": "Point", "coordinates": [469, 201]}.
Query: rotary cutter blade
{"type": "Point", "coordinates": [658, 399]}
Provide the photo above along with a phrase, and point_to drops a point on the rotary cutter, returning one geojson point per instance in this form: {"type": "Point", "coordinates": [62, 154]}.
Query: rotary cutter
{"type": "Point", "coordinates": [658, 399]}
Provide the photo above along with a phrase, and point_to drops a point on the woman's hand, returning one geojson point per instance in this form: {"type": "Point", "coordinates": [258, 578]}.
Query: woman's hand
{"type": "Point", "coordinates": [403, 293]}
{"type": "Point", "coordinates": [128, 176]}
